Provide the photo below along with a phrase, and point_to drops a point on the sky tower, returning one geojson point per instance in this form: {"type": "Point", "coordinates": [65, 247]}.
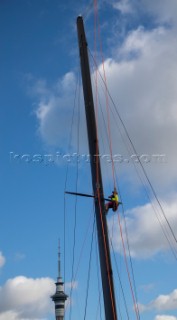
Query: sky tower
{"type": "Point", "coordinates": [59, 297]}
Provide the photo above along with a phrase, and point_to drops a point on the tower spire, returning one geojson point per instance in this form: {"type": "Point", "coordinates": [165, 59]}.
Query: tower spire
{"type": "Point", "coordinates": [59, 260]}
{"type": "Point", "coordinates": [59, 297]}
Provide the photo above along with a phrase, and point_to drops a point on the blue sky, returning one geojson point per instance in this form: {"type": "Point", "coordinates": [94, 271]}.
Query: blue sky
{"type": "Point", "coordinates": [39, 70]}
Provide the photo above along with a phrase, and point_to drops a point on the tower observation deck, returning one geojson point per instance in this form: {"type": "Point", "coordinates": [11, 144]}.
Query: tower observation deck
{"type": "Point", "coordinates": [59, 297]}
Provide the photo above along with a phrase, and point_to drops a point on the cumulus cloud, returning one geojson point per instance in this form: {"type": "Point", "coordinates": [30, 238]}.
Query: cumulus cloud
{"type": "Point", "coordinates": [164, 10]}
{"type": "Point", "coordinates": [148, 240]}
{"type": "Point", "coordinates": [26, 298]}
{"type": "Point", "coordinates": [143, 84]}
{"type": "Point", "coordinates": [72, 285]}
{"type": "Point", "coordinates": [2, 260]}
{"type": "Point", "coordinates": [23, 298]}
{"type": "Point", "coordinates": [162, 303]}
{"type": "Point", "coordinates": [165, 317]}
{"type": "Point", "coordinates": [141, 76]}
{"type": "Point", "coordinates": [54, 106]}
{"type": "Point", "coordinates": [161, 10]}
{"type": "Point", "coordinates": [12, 315]}
{"type": "Point", "coordinates": [124, 6]}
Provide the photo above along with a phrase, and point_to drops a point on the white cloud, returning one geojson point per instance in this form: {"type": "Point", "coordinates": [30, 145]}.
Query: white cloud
{"type": "Point", "coordinates": [162, 303]}
{"type": "Point", "coordinates": [9, 315]}
{"type": "Point", "coordinates": [23, 298]}
{"type": "Point", "coordinates": [148, 240]}
{"type": "Point", "coordinates": [12, 315]}
{"type": "Point", "coordinates": [2, 260]}
{"type": "Point", "coordinates": [72, 285]}
{"type": "Point", "coordinates": [54, 111]}
{"type": "Point", "coordinates": [19, 256]}
{"type": "Point", "coordinates": [147, 287]}
{"type": "Point", "coordinates": [124, 6]}
{"type": "Point", "coordinates": [161, 10]}
{"type": "Point", "coordinates": [164, 10]}
{"type": "Point", "coordinates": [26, 298]}
{"type": "Point", "coordinates": [141, 77]}
{"type": "Point", "coordinates": [165, 317]}
{"type": "Point", "coordinates": [142, 82]}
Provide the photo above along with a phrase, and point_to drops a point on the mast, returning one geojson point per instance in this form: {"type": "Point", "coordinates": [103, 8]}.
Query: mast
{"type": "Point", "coordinates": [103, 242]}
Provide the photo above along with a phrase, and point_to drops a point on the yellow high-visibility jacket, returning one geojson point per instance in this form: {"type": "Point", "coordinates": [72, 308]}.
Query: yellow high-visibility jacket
{"type": "Point", "coordinates": [115, 197]}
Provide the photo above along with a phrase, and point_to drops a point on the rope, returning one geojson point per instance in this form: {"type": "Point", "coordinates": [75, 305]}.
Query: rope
{"type": "Point", "coordinates": [109, 133]}
{"type": "Point", "coordinates": [97, 173]}
{"type": "Point", "coordinates": [131, 263]}
{"type": "Point", "coordinates": [165, 232]}
{"type": "Point", "coordinates": [125, 258]}
{"type": "Point", "coordinates": [87, 10]}
{"type": "Point", "coordinates": [89, 271]}
{"type": "Point", "coordinates": [128, 248]}
{"type": "Point", "coordinates": [102, 225]}
{"type": "Point", "coordinates": [99, 287]}
{"type": "Point", "coordinates": [125, 303]}
{"type": "Point", "coordinates": [97, 23]}
{"type": "Point", "coordinates": [104, 122]}
{"type": "Point", "coordinates": [143, 169]}
{"type": "Point", "coordinates": [75, 210]}
{"type": "Point", "coordinates": [83, 246]}
{"type": "Point", "coordinates": [66, 178]}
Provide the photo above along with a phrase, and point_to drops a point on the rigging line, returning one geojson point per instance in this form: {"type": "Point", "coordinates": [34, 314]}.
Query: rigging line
{"type": "Point", "coordinates": [66, 177]}
{"type": "Point", "coordinates": [83, 246]}
{"type": "Point", "coordinates": [87, 10]}
{"type": "Point", "coordinates": [131, 263]}
{"type": "Point", "coordinates": [125, 258]}
{"type": "Point", "coordinates": [98, 191]}
{"type": "Point", "coordinates": [106, 90]}
{"type": "Point", "coordinates": [104, 238]}
{"type": "Point", "coordinates": [99, 305]}
{"type": "Point", "coordinates": [82, 250]}
{"type": "Point", "coordinates": [128, 245]}
{"type": "Point", "coordinates": [99, 287]}
{"type": "Point", "coordinates": [143, 169]}
{"type": "Point", "coordinates": [130, 258]}
{"type": "Point", "coordinates": [100, 209]}
{"type": "Point", "coordinates": [89, 270]}
{"type": "Point", "coordinates": [117, 270]}
{"type": "Point", "coordinates": [75, 211]}
{"type": "Point", "coordinates": [132, 266]}
{"type": "Point", "coordinates": [165, 232]}
{"type": "Point", "coordinates": [104, 122]}
{"type": "Point", "coordinates": [102, 225]}
{"type": "Point", "coordinates": [99, 197]}
{"type": "Point", "coordinates": [163, 228]}
{"type": "Point", "coordinates": [129, 249]}
{"type": "Point", "coordinates": [119, 307]}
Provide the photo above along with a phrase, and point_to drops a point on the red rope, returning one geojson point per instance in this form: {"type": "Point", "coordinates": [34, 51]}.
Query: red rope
{"type": "Point", "coordinates": [97, 165]}
{"type": "Point", "coordinates": [110, 147]}
{"type": "Point", "coordinates": [129, 278]}
{"type": "Point", "coordinates": [106, 94]}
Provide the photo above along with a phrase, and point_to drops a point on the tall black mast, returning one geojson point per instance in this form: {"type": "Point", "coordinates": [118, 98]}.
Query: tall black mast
{"type": "Point", "coordinates": [103, 242]}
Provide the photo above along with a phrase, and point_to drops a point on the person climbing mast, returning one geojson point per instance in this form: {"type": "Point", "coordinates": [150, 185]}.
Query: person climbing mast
{"type": "Point", "coordinates": [114, 203]}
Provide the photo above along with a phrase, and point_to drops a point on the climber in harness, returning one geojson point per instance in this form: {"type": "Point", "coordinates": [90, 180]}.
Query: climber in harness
{"type": "Point", "coordinates": [114, 201]}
